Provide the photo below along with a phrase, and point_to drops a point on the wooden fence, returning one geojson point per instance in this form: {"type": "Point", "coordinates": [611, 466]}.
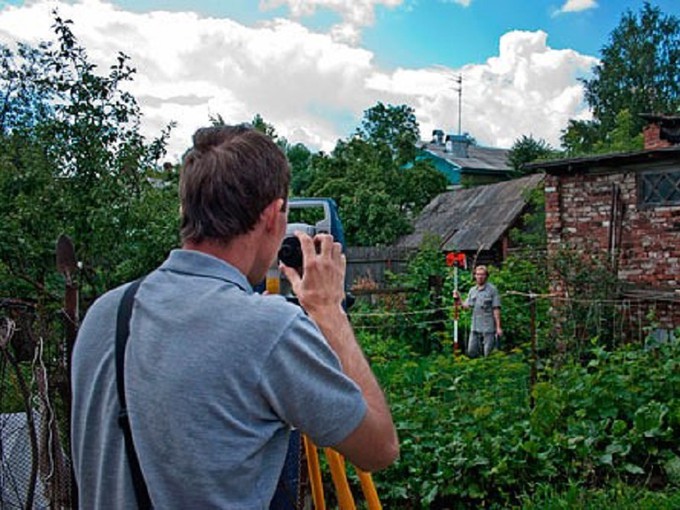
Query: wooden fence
{"type": "Point", "coordinates": [371, 263]}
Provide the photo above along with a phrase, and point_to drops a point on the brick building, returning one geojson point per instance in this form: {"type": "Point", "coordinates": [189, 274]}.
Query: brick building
{"type": "Point", "coordinates": [624, 210]}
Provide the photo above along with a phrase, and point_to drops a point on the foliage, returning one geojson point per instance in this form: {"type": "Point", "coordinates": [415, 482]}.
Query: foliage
{"type": "Point", "coordinates": [639, 69]}
{"type": "Point", "coordinates": [470, 438]}
{"type": "Point", "coordinates": [589, 137]}
{"type": "Point", "coordinates": [591, 284]}
{"type": "Point", "coordinates": [639, 72]}
{"type": "Point", "coordinates": [529, 235]}
{"type": "Point", "coordinates": [392, 126]}
{"type": "Point", "coordinates": [619, 496]}
{"type": "Point", "coordinates": [527, 150]}
{"type": "Point", "coordinates": [373, 177]}
{"type": "Point", "coordinates": [299, 158]}
{"type": "Point", "coordinates": [72, 161]}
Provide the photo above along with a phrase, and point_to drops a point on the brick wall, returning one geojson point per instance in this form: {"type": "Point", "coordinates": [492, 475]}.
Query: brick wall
{"type": "Point", "coordinates": [579, 213]}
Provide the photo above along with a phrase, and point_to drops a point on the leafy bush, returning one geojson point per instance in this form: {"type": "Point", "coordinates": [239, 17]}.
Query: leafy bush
{"type": "Point", "coordinates": [469, 436]}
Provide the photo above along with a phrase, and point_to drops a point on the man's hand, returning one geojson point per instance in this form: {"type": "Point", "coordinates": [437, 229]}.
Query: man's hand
{"type": "Point", "coordinates": [322, 283]}
{"type": "Point", "coordinates": [320, 290]}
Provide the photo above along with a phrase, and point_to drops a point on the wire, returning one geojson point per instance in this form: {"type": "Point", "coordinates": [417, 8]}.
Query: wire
{"type": "Point", "coordinates": [43, 397]}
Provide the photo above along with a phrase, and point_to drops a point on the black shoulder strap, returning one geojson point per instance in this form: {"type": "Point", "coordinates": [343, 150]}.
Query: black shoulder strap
{"type": "Point", "coordinates": [122, 333]}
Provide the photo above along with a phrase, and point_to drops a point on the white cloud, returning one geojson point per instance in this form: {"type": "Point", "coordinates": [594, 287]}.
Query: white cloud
{"type": "Point", "coordinates": [311, 87]}
{"type": "Point", "coordinates": [355, 14]}
{"type": "Point", "coordinates": [577, 5]}
{"type": "Point", "coordinates": [529, 88]}
{"type": "Point", "coordinates": [464, 3]}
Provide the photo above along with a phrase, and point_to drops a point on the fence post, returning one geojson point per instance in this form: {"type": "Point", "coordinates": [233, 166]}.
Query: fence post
{"type": "Point", "coordinates": [532, 381]}
{"type": "Point", "coordinates": [435, 283]}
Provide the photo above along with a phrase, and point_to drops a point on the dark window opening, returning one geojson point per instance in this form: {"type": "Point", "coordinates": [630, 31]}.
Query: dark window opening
{"type": "Point", "coordinates": [660, 188]}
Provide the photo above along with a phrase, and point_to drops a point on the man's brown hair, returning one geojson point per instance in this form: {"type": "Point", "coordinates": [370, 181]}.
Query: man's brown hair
{"type": "Point", "coordinates": [229, 177]}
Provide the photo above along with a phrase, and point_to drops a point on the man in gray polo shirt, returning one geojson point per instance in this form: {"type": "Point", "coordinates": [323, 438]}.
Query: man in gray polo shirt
{"type": "Point", "coordinates": [216, 375]}
{"type": "Point", "coordinates": [486, 314]}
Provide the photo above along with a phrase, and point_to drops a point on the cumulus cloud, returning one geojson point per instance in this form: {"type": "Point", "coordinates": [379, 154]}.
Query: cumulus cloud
{"type": "Point", "coordinates": [528, 89]}
{"type": "Point", "coordinates": [310, 87]}
{"type": "Point", "coordinates": [577, 5]}
{"type": "Point", "coordinates": [355, 14]}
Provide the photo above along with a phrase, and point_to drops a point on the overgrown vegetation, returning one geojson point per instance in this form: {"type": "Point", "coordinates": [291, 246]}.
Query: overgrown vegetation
{"type": "Point", "coordinates": [470, 437]}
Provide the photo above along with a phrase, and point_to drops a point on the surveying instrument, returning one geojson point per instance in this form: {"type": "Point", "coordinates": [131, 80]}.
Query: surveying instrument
{"type": "Point", "coordinates": [312, 216]}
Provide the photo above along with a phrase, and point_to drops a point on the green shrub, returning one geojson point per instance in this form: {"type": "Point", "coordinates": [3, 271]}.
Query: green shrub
{"type": "Point", "coordinates": [469, 436]}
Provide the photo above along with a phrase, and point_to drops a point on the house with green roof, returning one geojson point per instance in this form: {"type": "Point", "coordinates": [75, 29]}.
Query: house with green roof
{"type": "Point", "coordinates": [462, 161]}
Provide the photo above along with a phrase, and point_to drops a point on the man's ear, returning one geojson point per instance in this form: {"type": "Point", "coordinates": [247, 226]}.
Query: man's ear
{"type": "Point", "coordinates": [270, 215]}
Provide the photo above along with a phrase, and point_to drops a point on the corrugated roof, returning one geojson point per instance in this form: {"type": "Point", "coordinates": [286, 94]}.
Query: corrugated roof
{"type": "Point", "coordinates": [479, 158]}
{"type": "Point", "coordinates": [474, 218]}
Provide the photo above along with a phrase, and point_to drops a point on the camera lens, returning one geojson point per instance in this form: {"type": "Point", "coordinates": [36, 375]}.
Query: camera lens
{"type": "Point", "coordinates": [290, 252]}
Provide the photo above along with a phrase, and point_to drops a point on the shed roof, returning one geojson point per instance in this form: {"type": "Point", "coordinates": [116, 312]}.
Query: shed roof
{"type": "Point", "coordinates": [474, 218]}
{"type": "Point", "coordinates": [612, 160]}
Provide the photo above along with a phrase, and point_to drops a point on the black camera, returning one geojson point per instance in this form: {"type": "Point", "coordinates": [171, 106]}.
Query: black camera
{"type": "Point", "coordinates": [290, 252]}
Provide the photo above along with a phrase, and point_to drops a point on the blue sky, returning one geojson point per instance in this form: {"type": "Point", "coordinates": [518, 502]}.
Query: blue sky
{"type": "Point", "coordinates": [311, 67]}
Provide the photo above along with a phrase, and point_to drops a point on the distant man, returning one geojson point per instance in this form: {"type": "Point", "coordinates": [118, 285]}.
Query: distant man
{"type": "Point", "coordinates": [486, 314]}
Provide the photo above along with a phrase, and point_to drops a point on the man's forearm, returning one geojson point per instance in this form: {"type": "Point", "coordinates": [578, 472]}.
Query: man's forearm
{"type": "Point", "coordinates": [497, 317]}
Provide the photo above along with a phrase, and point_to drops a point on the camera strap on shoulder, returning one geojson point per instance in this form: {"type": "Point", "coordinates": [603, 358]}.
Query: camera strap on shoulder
{"type": "Point", "coordinates": [122, 334]}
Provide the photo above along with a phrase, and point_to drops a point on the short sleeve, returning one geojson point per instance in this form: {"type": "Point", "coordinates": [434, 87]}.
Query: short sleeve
{"type": "Point", "coordinates": [304, 383]}
{"type": "Point", "coordinates": [496, 298]}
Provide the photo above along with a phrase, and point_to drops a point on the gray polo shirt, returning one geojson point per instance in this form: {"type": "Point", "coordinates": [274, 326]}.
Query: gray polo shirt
{"type": "Point", "coordinates": [483, 301]}
{"type": "Point", "coordinates": [216, 375]}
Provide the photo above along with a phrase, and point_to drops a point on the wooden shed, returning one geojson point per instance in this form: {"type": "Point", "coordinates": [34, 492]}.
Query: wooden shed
{"type": "Point", "coordinates": [475, 220]}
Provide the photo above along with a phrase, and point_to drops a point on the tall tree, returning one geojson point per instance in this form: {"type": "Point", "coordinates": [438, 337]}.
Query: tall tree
{"type": "Point", "coordinates": [393, 126]}
{"type": "Point", "coordinates": [639, 72]}
{"type": "Point", "coordinates": [72, 160]}
{"type": "Point", "coordinates": [528, 149]}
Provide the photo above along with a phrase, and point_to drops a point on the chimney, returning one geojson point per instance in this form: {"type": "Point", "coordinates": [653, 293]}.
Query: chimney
{"type": "Point", "coordinates": [652, 134]}
{"type": "Point", "coordinates": [458, 145]}
{"type": "Point", "coordinates": [438, 137]}
{"type": "Point", "coordinates": [662, 131]}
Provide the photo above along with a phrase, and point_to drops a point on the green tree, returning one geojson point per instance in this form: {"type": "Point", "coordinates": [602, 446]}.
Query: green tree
{"type": "Point", "coordinates": [640, 68]}
{"type": "Point", "coordinates": [526, 150]}
{"type": "Point", "coordinates": [639, 72]}
{"type": "Point", "coordinates": [620, 138]}
{"type": "Point", "coordinates": [299, 157]}
{"type": "Point", "coordinates": [72, 161]}
{"type": "Point", "coordinates": [581, 136]}
{"type": "Point", "coordinates": [590, 137]}
{"type": "Point", "coordinates": [393, 126]}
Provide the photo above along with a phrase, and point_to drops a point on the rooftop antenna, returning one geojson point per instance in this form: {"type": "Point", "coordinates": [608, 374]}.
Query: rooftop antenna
{"type": "Point", "coordinates": [459, 89]}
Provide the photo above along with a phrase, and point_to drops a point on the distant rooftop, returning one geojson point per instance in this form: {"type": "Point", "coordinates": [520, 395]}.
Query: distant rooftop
{"type": "Point", "coordinates": [462, 152]}
{"type": "Point", "coordinates": [474, 218]}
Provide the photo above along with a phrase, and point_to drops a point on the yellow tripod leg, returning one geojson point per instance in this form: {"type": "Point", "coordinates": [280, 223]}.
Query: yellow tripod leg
{"type": "Point", "coordinates": [368, 488]}
{"type": "Point", "coordinates": [337, 466]}
{"type": "Point", "coordinates": [314, 474]}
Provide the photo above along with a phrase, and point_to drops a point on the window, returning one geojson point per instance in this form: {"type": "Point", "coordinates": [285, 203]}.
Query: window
{"type": "Point", "coordinates": [660, 188]}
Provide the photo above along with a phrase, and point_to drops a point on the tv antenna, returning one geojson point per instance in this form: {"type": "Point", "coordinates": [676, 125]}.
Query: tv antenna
{"type": "Point", "coordinates": [459, 89]}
